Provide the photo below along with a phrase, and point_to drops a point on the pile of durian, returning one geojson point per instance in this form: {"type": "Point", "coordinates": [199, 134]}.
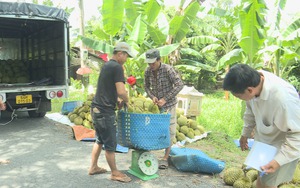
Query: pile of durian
{"type": "Point", "coordinates": [142, 105]}
{"type": "Point", "coordinates": [186, 127]}
{"type": "Point", "coordinates": [81, 115]}
{"type": "Point", "coordinates": [13, 71]}
{"type": "Point", "coordinates": [241, 178]}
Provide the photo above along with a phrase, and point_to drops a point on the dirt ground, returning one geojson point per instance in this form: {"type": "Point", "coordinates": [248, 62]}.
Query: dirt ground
{"type": "Point", "coordinates": [44, 153]}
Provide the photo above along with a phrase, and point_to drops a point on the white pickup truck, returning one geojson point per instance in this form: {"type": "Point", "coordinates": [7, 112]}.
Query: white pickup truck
{"type": "Point", "coordinates": [34, 56]}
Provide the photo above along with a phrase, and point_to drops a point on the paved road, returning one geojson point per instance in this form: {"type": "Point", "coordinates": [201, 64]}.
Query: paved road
{"type": "Point", "coordinates": [43, 153]}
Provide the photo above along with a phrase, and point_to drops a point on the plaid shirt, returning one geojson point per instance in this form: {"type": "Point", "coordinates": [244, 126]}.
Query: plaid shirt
{"type": "Point", "coordinates": [163, 83]}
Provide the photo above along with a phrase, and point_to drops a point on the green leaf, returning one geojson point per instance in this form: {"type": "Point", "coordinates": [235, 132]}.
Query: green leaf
{"type": "Point", "coordinates": [179, 25]}
{"type": "Point", "coordinates": [271, 49]}
{"type": "Point", "coordinates": [139, 31]}
{"type": "Point", "coordinates": [189, 67]}
{"type": "Point", "coordinates": [211, 48]}
{"type": "Point", "coordinates": [252, 39]}
{"type": "Point", "coordinates": [100, 34]}
{"type": "Point", "coordinates": [164, 51]}
{"type": "Point", "coordinates": [293, 30]}
{"type": "Point", "coordinates": [112, 12]}
{"type": "Point", "coordinates": [198, 64]}
{"type": "Point", "coordinates": [199, 40]}
{"type": "Point", "coordinates": [156, 35]}
{"type": "Point", "coordinates": [97, 45]}
{"type": "Point", "coordinates": [190, 51]}
{"type": "Point", "coordinates": [230, 58]}
{"type": "Point", "coordinates": [132, 10]}
{"type": "Point", "coordinates": [167, 49]}
{"type": "Point", "coordinates": [176, 24]}
{"type": "Point", "coordinates": [151, 9]}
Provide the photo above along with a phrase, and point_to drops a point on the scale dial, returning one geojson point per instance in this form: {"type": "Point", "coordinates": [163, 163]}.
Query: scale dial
{"type": "Point", "coordinates": [148, 163]}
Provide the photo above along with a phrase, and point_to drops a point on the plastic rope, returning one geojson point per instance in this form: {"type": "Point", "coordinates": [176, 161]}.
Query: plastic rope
{"type": "Point", "coordinates": [13, 116]}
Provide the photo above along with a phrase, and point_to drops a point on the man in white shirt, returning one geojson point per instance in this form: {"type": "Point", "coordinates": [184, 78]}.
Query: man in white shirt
{"type": "Point", "coordinates": [273, 112]}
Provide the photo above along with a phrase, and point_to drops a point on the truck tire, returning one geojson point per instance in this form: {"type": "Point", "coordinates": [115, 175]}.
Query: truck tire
{"type": "Point", "coordinates": [34, 114]}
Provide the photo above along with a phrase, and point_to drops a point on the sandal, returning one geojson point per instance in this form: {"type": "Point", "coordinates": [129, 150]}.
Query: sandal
{"type": "Point", "coordinates": [163, 164]}
{"type": "Point", "coordinates": [124, 178]}
{"type": "Point", "coordinates": [100, 171]}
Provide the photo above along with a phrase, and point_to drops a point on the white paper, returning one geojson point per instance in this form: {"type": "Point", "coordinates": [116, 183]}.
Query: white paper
{"type": "Point", "coordinates": [260, 155]}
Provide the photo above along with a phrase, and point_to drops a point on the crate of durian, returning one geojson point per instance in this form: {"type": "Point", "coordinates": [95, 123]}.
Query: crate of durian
{"type": "Point", "coordinates": [142, 126]}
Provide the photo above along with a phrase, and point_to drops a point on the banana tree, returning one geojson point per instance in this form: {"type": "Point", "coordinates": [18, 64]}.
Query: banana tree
{"type": "Point", "coordinates": [258, 39]}
{"type": "Point", "coordinates": [143, 25]}
{"type": "Point", "coordinates": [282, 44]}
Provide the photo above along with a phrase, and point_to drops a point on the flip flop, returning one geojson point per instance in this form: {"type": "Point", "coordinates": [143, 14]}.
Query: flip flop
{"type": "Point", "coordinates": [100, 171]}
{"type": "Point", "coordinates": [124, 178]}
{"type": "Point", "coordinates": [163, 164]}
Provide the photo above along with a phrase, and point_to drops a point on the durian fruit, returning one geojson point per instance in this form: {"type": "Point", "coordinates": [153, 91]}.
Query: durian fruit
{"type": "Point", "coordinates": [182, 121]}
{"type": "Point", "coordinates": [197, 132]}
{"type": "Point", "coordinates": [148, 104]}
{"type": "Point", "coordinates": [87, 124]}
{"type": "Point", "coordinates": [72, 117]}
{"type": "Point", "coordinates": [90, 97]}
{"type": "Point", "coordinates": [201, 129]}
{"type": "Point", "coordinates": [184, 129]}
{"type": "Point", "coordinates": [192, 123]}
{"type": "Point", "coordinates": [190, 133]}
{"type": "Point", "coordinates": [177, 127]}
{"type": "Point", "coordinates": [180, 137]}
{"type": "Point", "coordinates": [231, 174]}
{"type": "Point", "coordinates": [243, 182]}
{"type": "Point", "coordinates": [78, 120]}
{"type": "Point", "coordinates": [130, 108]}
{"type": "Point", "coordinates": [252, 174]}
{"type": "Point", "coordinates": [179, 112]}
{"type": "Point", "coordinates": [154, 109]}
{"type": "Point", "coordinates": [288, 185]}
{"type": "Point", "coordinates": [142, 105]}
{"type": "Point", "coordinates": [89, 117]}
{"type": "Point", "coordinates": [296, 176]}
{"type": "Point", "coordinates": [82, 115]}
{"type": "Point", "coordinates": [254, 184]}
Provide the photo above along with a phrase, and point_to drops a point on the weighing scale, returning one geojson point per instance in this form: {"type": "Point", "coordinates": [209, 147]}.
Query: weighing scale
{"type": "Point", "coordinates": [144, 165]}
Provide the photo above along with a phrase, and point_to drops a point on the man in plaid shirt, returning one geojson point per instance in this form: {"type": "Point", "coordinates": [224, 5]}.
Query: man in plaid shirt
{"type": "Point", "coordinates": [162, 84]}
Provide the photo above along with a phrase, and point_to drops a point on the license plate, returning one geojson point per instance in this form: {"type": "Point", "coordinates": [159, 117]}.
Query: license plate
{"type": "Point", "coordinates": [23, 99]}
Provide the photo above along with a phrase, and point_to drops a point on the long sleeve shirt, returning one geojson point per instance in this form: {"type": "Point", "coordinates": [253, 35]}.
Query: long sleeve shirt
{"type": "Point", "coordinates": [163, 83]}
{"type": "Point", "coordinates": [275, 117]}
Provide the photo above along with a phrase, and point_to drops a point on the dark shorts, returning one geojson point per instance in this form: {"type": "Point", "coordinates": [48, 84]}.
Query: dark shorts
{"type": "Point", "coordinates": [105, 128]}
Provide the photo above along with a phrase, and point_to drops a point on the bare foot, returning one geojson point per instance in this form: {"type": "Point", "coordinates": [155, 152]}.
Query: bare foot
{"type": "Point", "coordinates": [120, 177]}
{"type": "Point", "coordinates": [4, 161]}
{"type": "Point", "coordinates": [97, 170]}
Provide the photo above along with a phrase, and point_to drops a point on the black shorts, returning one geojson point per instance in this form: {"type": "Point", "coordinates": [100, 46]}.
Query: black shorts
{"type": "Point", "coordinates": [105, 128]}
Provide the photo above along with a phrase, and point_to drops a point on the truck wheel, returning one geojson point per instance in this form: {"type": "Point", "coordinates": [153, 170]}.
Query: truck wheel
{"type": "Point", "coordinates": [34, 114]}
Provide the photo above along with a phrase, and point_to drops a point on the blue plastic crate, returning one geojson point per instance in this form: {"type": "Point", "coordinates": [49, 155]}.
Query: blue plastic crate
{"type": "Point", "coordinates": [70, 106]}
{"type": "Point", "coordinates": [144, 131]}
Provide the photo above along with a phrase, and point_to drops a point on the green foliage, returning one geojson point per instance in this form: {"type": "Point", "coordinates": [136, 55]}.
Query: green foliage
{"type": "Point", "coordinates": [93, 80]}
{"type": "Point", "coordinates": [295, 82]}
{"type": "Point", "coordinates": [77, 84]}
{"type": "Point", "coordinates": [75, 95]}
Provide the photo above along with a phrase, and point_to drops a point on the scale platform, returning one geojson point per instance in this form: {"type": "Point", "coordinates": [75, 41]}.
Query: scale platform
{"type": "Point", "coordinates": [144, 165]}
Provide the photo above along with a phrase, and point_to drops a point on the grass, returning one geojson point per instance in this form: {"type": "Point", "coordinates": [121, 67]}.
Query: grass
{"type": "Point", "coordinates": [224, 121]}
{"type": "Point", "coordinates": [74, 95]}
{"type": "Point", "coordinates": [218, 114]}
